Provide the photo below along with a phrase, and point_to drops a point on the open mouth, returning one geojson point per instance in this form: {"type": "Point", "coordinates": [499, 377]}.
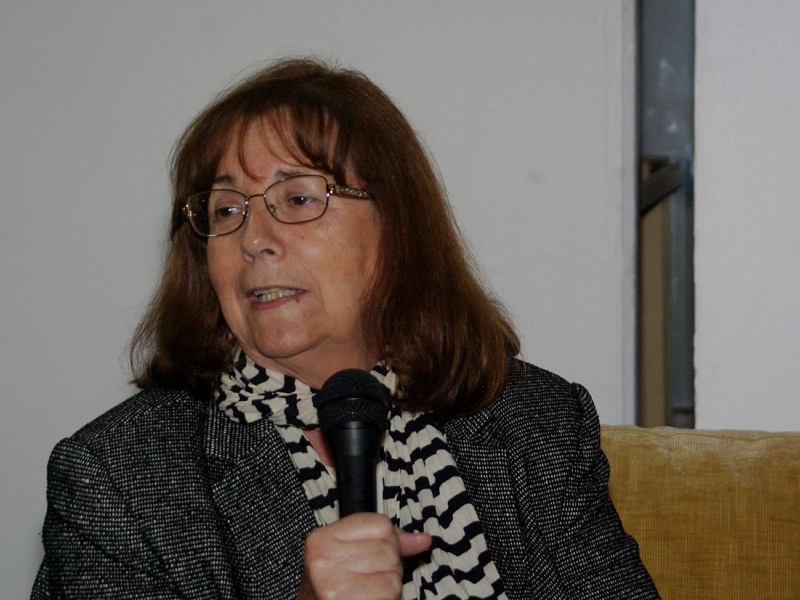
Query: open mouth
{"type": "Point", "coordinates": [273, 294]}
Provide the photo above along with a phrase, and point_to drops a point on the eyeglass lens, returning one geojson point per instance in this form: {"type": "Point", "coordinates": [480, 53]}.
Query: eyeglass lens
{"type": "Point", "coordinates": [291, 200]}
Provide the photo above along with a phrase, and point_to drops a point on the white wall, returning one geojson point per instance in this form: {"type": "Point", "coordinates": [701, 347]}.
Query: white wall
{"type": "Point", "coordinates": [747, 214]}
{"type": "Point", "coordinates": [527, 107]}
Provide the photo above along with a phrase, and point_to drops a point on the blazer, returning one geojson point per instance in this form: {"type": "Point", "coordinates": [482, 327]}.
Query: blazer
{"type": "Point", "coordinates": [162, 498]}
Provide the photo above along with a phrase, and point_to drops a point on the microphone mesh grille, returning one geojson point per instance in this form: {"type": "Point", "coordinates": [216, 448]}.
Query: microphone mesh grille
{"type": "Point", "coordinates": [353, 395]}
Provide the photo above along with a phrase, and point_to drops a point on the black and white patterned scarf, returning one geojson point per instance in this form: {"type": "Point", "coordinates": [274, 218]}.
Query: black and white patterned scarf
{"type": "Point", "coordinates": [421, 487]}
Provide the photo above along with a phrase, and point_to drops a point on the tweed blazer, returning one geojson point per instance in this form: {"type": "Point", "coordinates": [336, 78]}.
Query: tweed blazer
{"type": "Point", "coordinates": [162, 498]}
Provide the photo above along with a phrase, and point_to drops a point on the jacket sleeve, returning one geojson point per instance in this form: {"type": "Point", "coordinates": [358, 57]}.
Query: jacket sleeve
{"type": "Point", "coordinates": [93, 547]}
{"type": "Point", "coordinates": [593, 554]}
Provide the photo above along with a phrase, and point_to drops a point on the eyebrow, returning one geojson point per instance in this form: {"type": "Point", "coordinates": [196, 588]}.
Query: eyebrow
{"type": "Point", "coordinates": [225, 179]}
{"type": "Point", "coordinates": [281, 174]}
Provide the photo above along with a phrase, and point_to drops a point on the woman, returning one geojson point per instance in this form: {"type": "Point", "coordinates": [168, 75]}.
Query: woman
{"type": "Point", "coordinates": [310, 234]}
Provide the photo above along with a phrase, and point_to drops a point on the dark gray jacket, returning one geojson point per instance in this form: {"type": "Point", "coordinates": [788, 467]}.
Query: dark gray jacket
{"type": "Point", "coordinates": [160, 498]}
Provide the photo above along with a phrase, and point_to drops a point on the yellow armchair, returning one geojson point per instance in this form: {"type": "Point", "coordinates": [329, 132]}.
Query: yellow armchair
{"type": "Point", "coordinates": [716, 513]}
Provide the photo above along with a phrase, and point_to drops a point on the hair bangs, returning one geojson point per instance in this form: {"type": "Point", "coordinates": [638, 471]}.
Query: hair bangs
{"type": "Point", "coordinates": [308, 132]}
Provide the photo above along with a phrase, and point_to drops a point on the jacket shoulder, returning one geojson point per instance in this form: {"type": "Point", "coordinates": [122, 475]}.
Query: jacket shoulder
{"type": "Point", "coordinates": [157, 408]}
{"type": "Point", "coordinates": [534, 403]}
{"type": "Point", "coordinates": [536, 399]}
{"type": "Point", "coordinates": [530, 385]}
{"type": "Point", "coordinates": [149, 445]}
{"type": "Point", "coordinates": [129, 493]}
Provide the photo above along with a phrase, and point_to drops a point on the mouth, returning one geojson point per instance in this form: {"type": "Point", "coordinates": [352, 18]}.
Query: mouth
{"type": "Point", "coordinates": [272, 294]}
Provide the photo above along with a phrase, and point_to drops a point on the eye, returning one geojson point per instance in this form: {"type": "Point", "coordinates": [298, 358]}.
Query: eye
{"type": "Point", "coordinates": [225, 212]}
{"type": "Point", "coordinates": [301, 194]}
{"type": "Point", "coordinates": [225, 205]}
{"type": "Point", "coordinates": [299, 201]}
{"type": "Point", "coordinates": [298, 198]}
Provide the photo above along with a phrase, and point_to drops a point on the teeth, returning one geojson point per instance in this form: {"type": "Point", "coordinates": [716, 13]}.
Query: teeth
{"type": "Point", "coordinates": [275, 294]}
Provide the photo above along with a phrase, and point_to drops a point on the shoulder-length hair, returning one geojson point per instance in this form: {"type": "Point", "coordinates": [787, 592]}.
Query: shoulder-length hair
{"type": "Point", "coordinates": [447, 339]}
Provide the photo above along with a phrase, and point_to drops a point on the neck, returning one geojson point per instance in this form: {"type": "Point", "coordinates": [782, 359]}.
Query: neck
{"type": "Point", "coordinates": [316, 373]}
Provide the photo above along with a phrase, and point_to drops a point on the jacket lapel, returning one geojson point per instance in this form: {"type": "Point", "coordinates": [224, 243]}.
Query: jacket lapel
{"type": "Point", "coordinates": [266, 514]}
{"type": "Point", "coordinates": [483, 465]}
{"type": "Point", "coordinates": [496, 479]}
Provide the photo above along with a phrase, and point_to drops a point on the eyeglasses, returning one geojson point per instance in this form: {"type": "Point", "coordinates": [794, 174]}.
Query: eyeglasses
{"type": "Point", "coordinates": [295, 199]}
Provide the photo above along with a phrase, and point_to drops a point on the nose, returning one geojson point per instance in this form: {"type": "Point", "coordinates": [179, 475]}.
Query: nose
{"type": "Point", "coordinates": [261, 232]}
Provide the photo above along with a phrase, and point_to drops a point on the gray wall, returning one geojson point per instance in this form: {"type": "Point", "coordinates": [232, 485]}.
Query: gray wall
{"type": "Point", "coordinates": [747, 215]}
{"type": "Point", "coordinates": [527, 108]}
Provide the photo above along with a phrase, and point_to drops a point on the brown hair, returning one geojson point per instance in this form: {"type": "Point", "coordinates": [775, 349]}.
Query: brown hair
{"type": "Point", "coordinates": [448, 341]}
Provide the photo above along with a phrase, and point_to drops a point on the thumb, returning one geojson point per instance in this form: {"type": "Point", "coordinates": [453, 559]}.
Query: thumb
{"type": "Point", "coordinates": [413, 543]}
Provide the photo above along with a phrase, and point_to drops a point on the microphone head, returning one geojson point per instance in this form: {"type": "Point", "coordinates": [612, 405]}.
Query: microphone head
{"type": "Point", "coordinates": [353, 395]}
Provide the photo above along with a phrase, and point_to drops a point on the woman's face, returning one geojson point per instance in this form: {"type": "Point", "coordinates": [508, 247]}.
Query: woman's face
{"type": "Point", "coordinates": [292, 294]}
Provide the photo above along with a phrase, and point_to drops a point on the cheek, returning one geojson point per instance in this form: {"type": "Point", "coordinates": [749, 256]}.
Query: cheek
{"type": "Point", "coordinates": [219, 272]}
{"type": "Point", "coordinates": [370, 262]}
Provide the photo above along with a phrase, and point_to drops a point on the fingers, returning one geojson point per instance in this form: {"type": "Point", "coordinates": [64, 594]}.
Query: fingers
{"type": "Point", "coordinates": [413, 543]}
{"type": "Point", "coordinates": [358, 556]}
{"type": "Point", "coordinates": [362, 526]}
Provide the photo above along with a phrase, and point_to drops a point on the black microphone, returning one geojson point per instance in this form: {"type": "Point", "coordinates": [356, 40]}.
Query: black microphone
{"type": "Point", "coordinates": [353, 415]}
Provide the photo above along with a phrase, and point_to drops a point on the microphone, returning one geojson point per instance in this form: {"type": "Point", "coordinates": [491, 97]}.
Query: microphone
{"type": "Point", "coordinates": [353, 415]}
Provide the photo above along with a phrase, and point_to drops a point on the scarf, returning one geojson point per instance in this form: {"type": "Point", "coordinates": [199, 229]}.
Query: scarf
{"type": "Point", "coordinates": [421, 487]}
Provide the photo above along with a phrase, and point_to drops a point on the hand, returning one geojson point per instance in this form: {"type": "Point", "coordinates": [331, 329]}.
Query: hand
{"type": "Point", "coordinates": [358, 557]}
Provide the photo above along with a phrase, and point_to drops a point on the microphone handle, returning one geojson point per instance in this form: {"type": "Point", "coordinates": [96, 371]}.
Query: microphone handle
{"type": "Point", "coordinates": [354, 446]}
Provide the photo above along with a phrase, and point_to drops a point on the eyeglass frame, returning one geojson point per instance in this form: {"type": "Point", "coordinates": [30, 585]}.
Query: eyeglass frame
{"type": "Point", "coordinates": [331, 189]}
